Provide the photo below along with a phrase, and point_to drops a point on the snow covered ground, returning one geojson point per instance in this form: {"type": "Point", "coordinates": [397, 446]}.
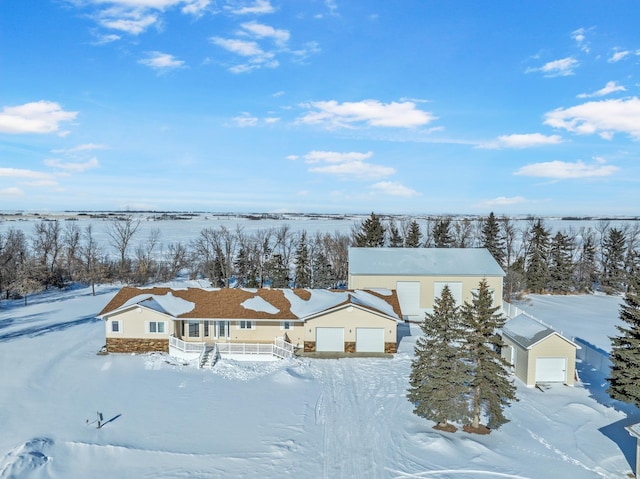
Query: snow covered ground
{"type": "Point", "coordinates": [305, 418]}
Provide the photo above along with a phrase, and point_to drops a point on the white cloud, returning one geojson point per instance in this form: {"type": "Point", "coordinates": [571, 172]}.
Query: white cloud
{"type": "Point", "coordinates": [562, 170]}
{"type": "Point", "coordinates": [11, 192]}
{"type": "Point", "coordinates": [347, 165]}
{"type": "Point", "coordinates": [35, 117]}
{"type": "Point", "coordinates": [23, 173]}
{"type": "Point", "coordinates": [610, 87]}
{"type": "Point", "coordinates": [556, 68]}
{"type": "Point", "coordinates": [504, 201]}
{"type": "Point", "coordinates": [265, 31]}
{"type": "Point", "coordinates": [74, 167]}
{"type": "Point", "coordinates": [336, 157]}
{"type": "Point", "coordinates": [369, 112]}
{"type": "Point", "coordinates": [133, 23]}
{"type": "Point", "coordinates": [617, 56]}
{"type": "Point", "coordinates": [161, 61]}
{"type": "Point", "coordinates": [579, 36]}
{"type": "Point", "coordinates": [527, 140]}
{"type": "Point", "coordinates": [393, 188]}
{"type": "Point", "coordinates": [270, 120]}
{"type": "Point", "coordinates": [604, 117]}
{"type": "Point", "coordinates": [259, 7]}
{"type": "Point", "coordinates": [80, 148]}
{"type": "Point", "coordinates": [245, 120]}
{"type": "Point", "coordinates": [257, 57]}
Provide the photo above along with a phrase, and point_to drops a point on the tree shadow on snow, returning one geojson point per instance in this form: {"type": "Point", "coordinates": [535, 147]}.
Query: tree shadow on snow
{"type": "Point", "coordinates": [403, 331]}
{"type": "Point", "coordinates": [34, 331]}
{"type": "Point", "coordinates": [596, 383]}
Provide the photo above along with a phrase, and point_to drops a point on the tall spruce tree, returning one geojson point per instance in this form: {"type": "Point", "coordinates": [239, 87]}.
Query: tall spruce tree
{"type": "Point", "coordinates": [586, 264]}
{"type": "Point", "coordinates": [302, 274]}
{"type": "Point", "coordinates": [624, 383]}
{"type": "Point", "coordinates": [442, 237]}
{"type": "Point", "coordinates": [371, 233]}
{"type": "Point", "coordinates": [492, 239]}
{"type": "Point", "coordinates": [439, 376]}
{"type": "Point", "coordinates": [561, 263]}
{"type": "Point", "coordinates": [537, 258]}
{"type": "Point", "coordinates": [414, 236]}
{"type": "Point", "coordinates": [613, 260]}
{"type": "Point", "coordinates": [395, 238]}
{"type": "Point", "coordinates": [490, 388]}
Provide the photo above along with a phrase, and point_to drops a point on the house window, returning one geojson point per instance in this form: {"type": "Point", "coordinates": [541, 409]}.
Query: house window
{"type": "Point", "coordinates": [194, 329]}
{"type": "Point", "coordinates": [115, 326]}
{"type": "Point", "coordinates": [157, 327]}
{"type": "Point", "coordinates": [246, 324]}
{"type": "Point", "coordinates": [286, 325]}
{"type": "Point", "coordinates": [206, 329]}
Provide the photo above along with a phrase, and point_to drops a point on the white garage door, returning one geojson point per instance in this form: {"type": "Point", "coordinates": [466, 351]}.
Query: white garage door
{"type": "Point", "coordinates": [409, 297]}
{"type": "Point", "coordinates": [330, 339]}
{"type": "Point", "coordinates": [369, 340]}
{"type": "Point", "coordinates": [551, 370]}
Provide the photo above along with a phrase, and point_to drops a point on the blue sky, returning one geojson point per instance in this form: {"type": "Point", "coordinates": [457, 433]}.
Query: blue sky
{"type": "Point", "coordinates": [334, 106]}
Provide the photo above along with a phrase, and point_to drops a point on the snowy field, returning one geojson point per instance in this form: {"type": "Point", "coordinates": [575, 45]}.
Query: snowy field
{"type": "Point", "coordinates": [308, 418]}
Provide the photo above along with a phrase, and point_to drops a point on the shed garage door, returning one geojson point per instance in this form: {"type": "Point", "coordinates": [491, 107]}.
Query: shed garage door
{"type": "Point", "coordinates": [330, 339]}
{"type": "Point", "coordinates": [370, 340]}
{"type": "Point", "coordinates": [409, 297]}
{"type": "Point", "coordinates": [551, 370]}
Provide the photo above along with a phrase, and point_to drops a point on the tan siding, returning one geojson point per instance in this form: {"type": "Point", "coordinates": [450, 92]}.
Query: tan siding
{"type": "Point", "coordinates": [350, 318]}
{"type": "Point", "coordinates": [133, 324]}
{"type": "Point", "coordinates": [469, 283]}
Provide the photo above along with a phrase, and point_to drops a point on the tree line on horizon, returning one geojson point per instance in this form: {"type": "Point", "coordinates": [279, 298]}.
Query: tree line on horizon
{"type": "Point", "coordinates": [601, 257]}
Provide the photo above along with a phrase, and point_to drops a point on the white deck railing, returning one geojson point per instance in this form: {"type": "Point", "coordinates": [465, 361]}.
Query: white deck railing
{"type": "Point", "coordinates": [280, 348]}
{"type": "Point", "coordinates": [185, 349]}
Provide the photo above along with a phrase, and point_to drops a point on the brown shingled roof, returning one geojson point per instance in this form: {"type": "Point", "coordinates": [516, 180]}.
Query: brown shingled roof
{"type": "Point", "coordinates": [226, 303]}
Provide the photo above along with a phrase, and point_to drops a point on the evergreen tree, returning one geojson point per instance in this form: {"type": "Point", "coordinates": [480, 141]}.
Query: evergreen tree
{"type": "Point", "coordinates": [395, 238]}
{"type": "Point", "coordinates": [586, 264]}
{"type": "Point", "coordinates": [371, 233]}
{"type": "Point", "coordinates": [613, 261]}
{"type": "Point", "coordinates": [537, 257]}
{"type": "Point", "coordinates": [414, 236]}
{"type": "Point", "coordinates": [321, 272]}
{"type": "Point", "coordinates": [439, 377]}
{"type": "Point", "coordinates": [492, 239]}
{"type": "Point", "coordinates": [442, 237]}
{"type": "Point", "coordinates": [278, 272]}
{"type": "Point", "coordinates": [561, 263]}
{"type": "Point", "coordinates": [302, 278]}
{"type": "Point", "coordinates": [624, 383]}
{"type": "Point", "coordinates": [490, 388]}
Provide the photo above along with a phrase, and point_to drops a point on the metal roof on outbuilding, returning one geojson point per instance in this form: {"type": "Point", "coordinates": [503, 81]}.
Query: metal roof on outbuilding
{"type": "Point", "coordinates": [528, 331]}
{"type": "Point", "coordinates": [423, 262]}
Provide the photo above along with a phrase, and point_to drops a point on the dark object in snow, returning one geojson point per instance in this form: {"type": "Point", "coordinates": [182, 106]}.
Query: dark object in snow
{"type": "Point", "coordinates": [445, 427]}
{"type": "Point", "coordinates": [483, 430]}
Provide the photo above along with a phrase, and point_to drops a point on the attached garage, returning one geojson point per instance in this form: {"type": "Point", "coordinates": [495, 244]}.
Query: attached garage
{"type": "Point", "coordinates": [330, 339]}
{"type": "Point", "coordinates": [551, 370]}
{"type": "Point", "coordinates": [370, 340]}
{"type": "Point", "coordinates": [537, 353]}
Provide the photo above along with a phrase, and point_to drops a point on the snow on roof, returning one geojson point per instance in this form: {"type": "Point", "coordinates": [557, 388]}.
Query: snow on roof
{"type": "Point", "coordinates": [526, 331]}
{"type": "Point", "coordinates": [368, 300]}
{"type": "Point", "coordinates": [423, 262]}
{"type": "Point", "coordinates": [259, 304]}
{"type": "Point", "coordinates": [165, 303]}
{"type": "Point", "coordinates": [320, 300]}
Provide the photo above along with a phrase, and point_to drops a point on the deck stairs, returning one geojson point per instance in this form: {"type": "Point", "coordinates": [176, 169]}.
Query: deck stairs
{"type": "Point", "coordinates": [209, 356]}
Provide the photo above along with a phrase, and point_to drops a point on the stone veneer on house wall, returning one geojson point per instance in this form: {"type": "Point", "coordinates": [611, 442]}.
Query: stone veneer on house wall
{"type": "Point", "coordinates": [350, 347]}
{"type": "Point", "coordinates": [136, 345]}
